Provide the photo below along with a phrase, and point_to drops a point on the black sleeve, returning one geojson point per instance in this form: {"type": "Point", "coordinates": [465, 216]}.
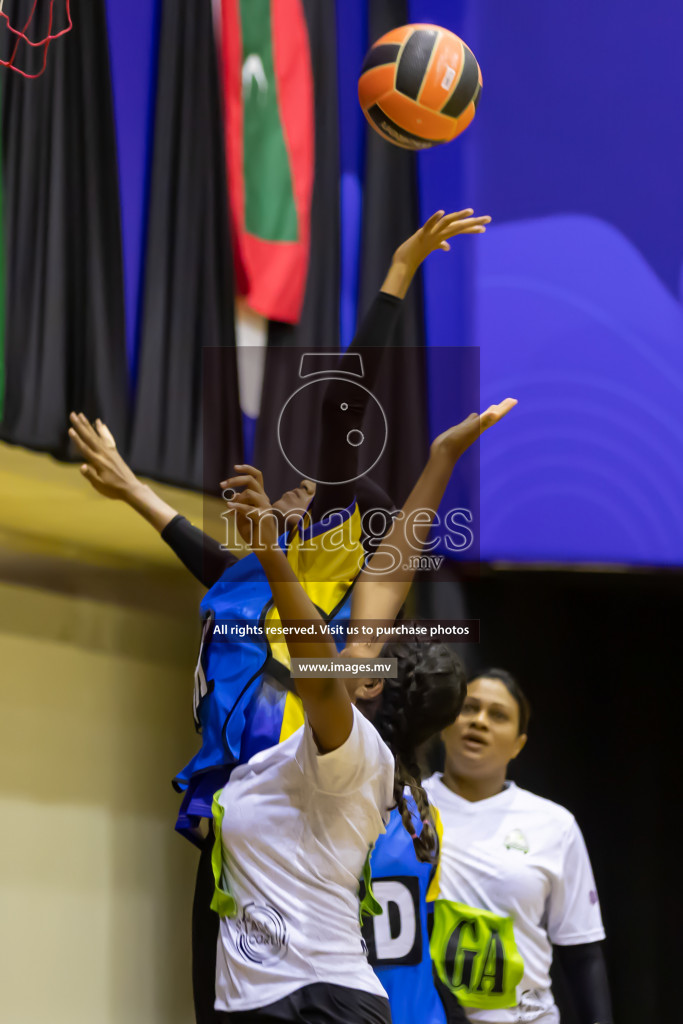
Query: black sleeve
{"type": "Point", "coordinates": [586, 974]}
{"type": "Point", "coordinates": [344, 407]}
{"type": "Point", "coordinates": [378, 324]}
{"type": "Point", "coordinates": [201, 554]}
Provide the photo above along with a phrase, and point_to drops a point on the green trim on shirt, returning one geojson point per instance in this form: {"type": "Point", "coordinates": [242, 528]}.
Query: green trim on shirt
{"type": "Point", "coordinates": [222, 901]}
{"type": "Point", "coordinates": [369, 906]}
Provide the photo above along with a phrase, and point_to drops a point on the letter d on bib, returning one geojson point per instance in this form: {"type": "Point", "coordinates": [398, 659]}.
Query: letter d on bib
{"type": "Point", "coordinates": [395, 936]}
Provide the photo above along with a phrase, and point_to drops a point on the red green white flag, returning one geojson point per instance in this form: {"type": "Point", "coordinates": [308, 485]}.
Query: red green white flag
{"type": "Point", "coordinates": [268, 89]}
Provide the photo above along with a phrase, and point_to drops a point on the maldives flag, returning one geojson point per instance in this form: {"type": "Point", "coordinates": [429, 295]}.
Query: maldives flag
{"type": "Point", "coordinates": [268, 87]}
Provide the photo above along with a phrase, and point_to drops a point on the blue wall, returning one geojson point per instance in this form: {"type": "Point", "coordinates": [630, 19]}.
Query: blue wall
{"type": "Point", "coordinates": [572, 295]}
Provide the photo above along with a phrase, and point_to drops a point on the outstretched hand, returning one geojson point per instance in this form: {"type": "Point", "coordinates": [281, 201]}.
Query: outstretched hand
{"type": "Point", "coordinates": [247, 477]}
{"type": "Point", "coordinates": [103, 467]}
{"type": "Point", "coordinates": [435, 232]}
{"type": "Point", "coordinates": [455, 441]}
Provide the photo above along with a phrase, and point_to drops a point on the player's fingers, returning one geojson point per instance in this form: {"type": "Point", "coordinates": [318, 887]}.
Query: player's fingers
{"type": "Point", "coordinates": [451, 218]}
{"type": "Point", "coordinates": [251, 471]}
{"type": "Point", "coordinates": [82, 445]}
{"type": "Point", "coordinates": [494, 413]}
{"type": "Point", "coordinates": [458, 226]}
{"type": "Point", "coordinates": [243, 511]}
{"type": "Point", "coordinates": [77, 424]}
{"type": "Point", "coordinates": [89, 473]}
{"type": "Point", "coordinates": [507, 404]}
{"type": "Point", "coordinates": [105, 433]}
{"type": "Point", "coordinates": [238, 481]}
{"type": "Point", "coordinates": [87, 430]}
{"type": "Point", "coordinates": [251, 497]}
{"type": "Point", "coordinates": [430, 224]}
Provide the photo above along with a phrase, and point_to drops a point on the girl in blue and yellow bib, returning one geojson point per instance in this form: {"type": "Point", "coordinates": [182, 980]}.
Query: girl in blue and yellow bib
{"type": "Point", "coordinates": [241, 705]}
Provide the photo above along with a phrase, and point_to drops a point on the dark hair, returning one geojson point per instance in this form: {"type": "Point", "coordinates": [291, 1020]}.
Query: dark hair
{"type": "Point", "coordinates": [514, 689]}
{"type": "Point", "coordinates": [426, 696]}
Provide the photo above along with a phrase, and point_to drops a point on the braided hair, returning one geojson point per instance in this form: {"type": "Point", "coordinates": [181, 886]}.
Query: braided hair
{"type": "Point", "coordinates": [424, 698]}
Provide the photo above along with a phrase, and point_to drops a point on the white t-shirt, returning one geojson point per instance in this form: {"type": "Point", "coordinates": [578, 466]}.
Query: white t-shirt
{"type": "Point", "coordinates": [523, 858]}
{"type": "Point", "coordinates": [297, 828]}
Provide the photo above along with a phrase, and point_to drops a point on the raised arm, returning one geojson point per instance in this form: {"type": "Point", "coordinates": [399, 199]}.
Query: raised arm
{"type": "Point", "coordinates": [344, 405]}
{"type": "Point", "coordinates": [106, 470]}
{"type": "Point", "coordinates": [326, 701]}
{"type": "Point", "coordinates": [433, 235]}
{"type": "Point", "coordinates": [383, 585]}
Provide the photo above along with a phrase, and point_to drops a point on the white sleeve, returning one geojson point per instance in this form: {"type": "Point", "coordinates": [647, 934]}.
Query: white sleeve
{"type": "Point", "coordinates": [573, 906]}
{"type": "Point", "coordinates": [363, 759]}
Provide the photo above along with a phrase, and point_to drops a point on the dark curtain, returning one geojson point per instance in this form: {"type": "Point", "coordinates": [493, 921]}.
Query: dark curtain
{"type": "Point", "coordinates": [187, 425]}
{"type": "Point", "coordinates": [319, 324]}
{"type": "Point", "coordinates": [598, 656]}
{"type": "Point", "coordinates": [390, 214]}
{"type": "Point", "coordinates": [65, 331]}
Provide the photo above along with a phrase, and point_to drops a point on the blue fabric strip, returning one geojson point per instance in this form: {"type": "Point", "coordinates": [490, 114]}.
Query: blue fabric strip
{"type": "Point", "coordinates": [352, 42]}
{"type": "Point", "coordinates": [133, 45]}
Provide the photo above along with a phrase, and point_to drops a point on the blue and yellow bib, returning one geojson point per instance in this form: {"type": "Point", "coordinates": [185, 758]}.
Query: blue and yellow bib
{"type": "Point", "coordinates": [239, 706]}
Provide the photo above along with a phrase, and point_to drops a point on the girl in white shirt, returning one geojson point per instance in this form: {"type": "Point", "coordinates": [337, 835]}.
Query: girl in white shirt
{"type": "Point", "coordinates": [297, 822]}
{"type": "Point", "coordinates": [515, 878]}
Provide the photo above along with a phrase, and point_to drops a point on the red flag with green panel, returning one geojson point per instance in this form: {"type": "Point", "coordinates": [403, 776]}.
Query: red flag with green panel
{"type": "Point", "coordinates": [268, 88]}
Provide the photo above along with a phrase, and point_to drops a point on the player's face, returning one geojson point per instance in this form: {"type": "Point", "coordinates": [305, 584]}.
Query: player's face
{"type": "Point", "coordinates": [484, 737]}
{"type": "Point", "coordinates": [294, 503]}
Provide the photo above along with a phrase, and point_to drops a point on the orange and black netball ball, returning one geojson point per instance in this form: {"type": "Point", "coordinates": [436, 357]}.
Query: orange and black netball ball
{"type": "Point", "coordinates": [420, 86]}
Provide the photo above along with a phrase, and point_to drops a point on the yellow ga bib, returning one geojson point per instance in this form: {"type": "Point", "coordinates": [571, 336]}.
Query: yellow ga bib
{"type": "Point", "coordinates": [475, 955]}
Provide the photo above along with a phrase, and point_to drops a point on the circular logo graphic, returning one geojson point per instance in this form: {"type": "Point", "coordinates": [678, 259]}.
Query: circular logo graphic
{"type": "Point", "coordinates": [262, 936]}
{"type": "Point", "coordinates": [369, 443]}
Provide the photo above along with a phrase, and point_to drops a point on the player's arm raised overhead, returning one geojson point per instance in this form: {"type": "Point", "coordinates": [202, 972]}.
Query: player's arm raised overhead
{"type": "Point", "coordinates": [384, 583]}
{"type": "Point", "coordinates": [326, 701]}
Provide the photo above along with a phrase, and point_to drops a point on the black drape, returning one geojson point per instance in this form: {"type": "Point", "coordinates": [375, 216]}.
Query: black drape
{"type": "Point", "coordinates": [390, 214]}
{"type": "Point", "coordinates": [187, 426]}
{"type": "Point", "coordinates": [65, 328]}
{"type": "Point", "coordinates": [319, 323]}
